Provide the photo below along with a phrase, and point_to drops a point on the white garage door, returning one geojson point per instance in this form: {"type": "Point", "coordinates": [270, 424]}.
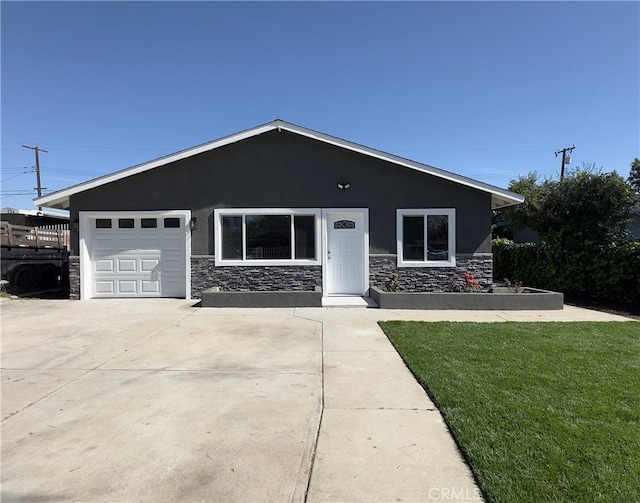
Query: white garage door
{"type": "Point", "coordinates": [138, 256]}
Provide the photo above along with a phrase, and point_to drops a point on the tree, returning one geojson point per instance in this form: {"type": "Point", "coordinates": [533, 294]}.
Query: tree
{"type": "Point", "coordinates": [523, 215]}
{"type": "Point", "coordinates": [634, 176]}
{"type": "Point", "coordinates": [585, 248]}
{"type": "Point", "coordinates": [586, 207]}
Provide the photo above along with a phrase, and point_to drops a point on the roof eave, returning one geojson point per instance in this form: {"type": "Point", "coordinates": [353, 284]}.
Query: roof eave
{"type": "Point", "coordinates": [500, 198]}
{"type": "Point", "coordinates": [502, 201]}
{"type": "Point", "coordinates": [62, 196]}
{"type": "Point", "coordinates": [60, 199]}
{"type": "Point", "coordinates": [61, 203]}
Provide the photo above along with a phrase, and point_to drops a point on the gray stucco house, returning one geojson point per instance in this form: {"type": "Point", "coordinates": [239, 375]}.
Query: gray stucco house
{"type": "Point", "coordinates": [277, 208]}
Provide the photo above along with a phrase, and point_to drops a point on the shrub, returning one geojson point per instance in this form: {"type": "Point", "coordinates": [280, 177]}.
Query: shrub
{"type": "Point", "coordinates": [607, 272]}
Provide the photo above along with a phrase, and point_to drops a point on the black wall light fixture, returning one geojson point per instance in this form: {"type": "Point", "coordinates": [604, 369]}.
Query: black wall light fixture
{"type": "Point", "coordinates": [193, 223]}
{"type": "Point", "coordinates": [344, 186]}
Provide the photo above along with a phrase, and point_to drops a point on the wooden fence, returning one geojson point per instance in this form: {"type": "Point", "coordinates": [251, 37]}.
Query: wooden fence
{"type": "Point", "coordinates": [54, 237]}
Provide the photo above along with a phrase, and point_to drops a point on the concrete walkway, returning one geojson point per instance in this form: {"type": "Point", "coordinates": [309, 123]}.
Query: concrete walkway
{"type": "Point", "coordinates": [381, 438]}
{"type": "Point", "coordinates": [156, 400]}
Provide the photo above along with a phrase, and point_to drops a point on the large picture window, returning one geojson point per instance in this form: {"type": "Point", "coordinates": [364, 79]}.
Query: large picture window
{"type": "Point", "coordinates": [267, 236]}
{"type": "Point", "coordinates": [426, 237]}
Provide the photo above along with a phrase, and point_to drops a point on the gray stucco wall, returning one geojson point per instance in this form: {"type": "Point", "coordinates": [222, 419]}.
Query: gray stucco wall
{"type": "Point", "coordinates": [285, 170]}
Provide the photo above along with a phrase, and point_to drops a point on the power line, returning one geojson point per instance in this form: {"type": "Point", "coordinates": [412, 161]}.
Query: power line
{"type": "Point", "coordinates": [22, 192]}
{"type": "Point", "coordinates": [17, 168]}
{"type": "Point", "coordinates": [14, 169]}
{"type": "Point", "coordinates": [12, 177]}
{"type": "Point", "coordinates": [16, 192]}
{"type": "Point", "coordinates": [74, 171]}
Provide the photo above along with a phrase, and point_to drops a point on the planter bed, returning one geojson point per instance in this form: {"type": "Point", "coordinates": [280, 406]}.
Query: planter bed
{"type": "Point", "coordinates": [213, 297]}
{"type": "Point", "coordinates": [500, 299]}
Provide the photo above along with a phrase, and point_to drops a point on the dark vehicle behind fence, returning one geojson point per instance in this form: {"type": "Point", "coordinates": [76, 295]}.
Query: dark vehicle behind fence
{"type": "Point", "coordinates": [34, 258]}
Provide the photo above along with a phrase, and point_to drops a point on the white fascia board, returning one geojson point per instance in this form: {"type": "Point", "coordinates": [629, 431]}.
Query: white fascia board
{"type": "Point", "coordinates": [502, 201]}
{"type": "Point", "coordinates": [60, 199]}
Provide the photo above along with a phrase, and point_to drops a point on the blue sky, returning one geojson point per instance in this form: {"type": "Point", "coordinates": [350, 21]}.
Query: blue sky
{"type": "Point", "coordinates": [488, 90]}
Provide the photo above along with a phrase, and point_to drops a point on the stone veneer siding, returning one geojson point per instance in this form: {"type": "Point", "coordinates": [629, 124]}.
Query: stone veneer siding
{"type": "Point", "coordinates": [383, 269]}
{"type": "Point", "coordinates": [204, 275]}
{"type": "Point", "coordinates": [74, 277]}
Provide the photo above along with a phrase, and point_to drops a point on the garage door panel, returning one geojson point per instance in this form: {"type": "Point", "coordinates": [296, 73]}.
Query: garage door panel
{"type": "Point", "coordinates": [127, 265]}
{"type": "Point", "coordinates": [149, 264]}
{"type": "Point", "coordinates": [127, 286]}
{"type": "Point", "coordinates": [132, 262]}
{"type": "Point", "coordinates": [172, 288]}
{"type": "Point", "coordinates": [105, 287]}
{"type": "Point", "coordinates": [104, 248]}
{"type": "Point", "coordinates": [173, 242]}
{"type": "Point", "coordinates": [151, 242]}
{"type": "Point", "coordinates": [173, 265]}
{"type": "Point", "coordinates": [117, 243]}
{"type": "Point", "coordinates": [150, 287]}
{"type": "Point", "coordinates": [104, 265]}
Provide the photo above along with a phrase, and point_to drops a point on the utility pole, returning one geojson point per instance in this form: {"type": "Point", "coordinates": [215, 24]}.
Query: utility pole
{"type": "Point", "coordinates": [565, 159]}
{"type": "Point", "coordinates": [37, 150]}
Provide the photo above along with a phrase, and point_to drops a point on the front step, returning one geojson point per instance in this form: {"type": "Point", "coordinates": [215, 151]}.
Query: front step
{"type": "Point", "coordinates": [348, 301]}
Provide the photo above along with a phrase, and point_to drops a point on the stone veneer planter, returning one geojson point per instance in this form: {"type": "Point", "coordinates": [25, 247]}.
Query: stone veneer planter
{"type": "Point", "coordinates": [499, 300]}
{"type": "Point", "coordinates": [205, 274]}
{"type": "Point", "coordinates": [213, 297]}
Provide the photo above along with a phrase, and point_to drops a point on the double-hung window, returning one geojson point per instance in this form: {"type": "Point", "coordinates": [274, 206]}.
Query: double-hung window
{"type": "Point", "coordinates": [426, 237]}
{"type": "Point", "coordinates": [267, 236]}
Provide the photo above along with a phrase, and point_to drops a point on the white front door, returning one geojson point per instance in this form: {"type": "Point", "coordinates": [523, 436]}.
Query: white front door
{"type": "Point", "coordinates": [346, 252]}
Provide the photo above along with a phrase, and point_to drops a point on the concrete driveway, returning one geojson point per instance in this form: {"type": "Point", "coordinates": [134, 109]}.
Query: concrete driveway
{"type": "Point", "coordinates": [154, 400]}
{"type": "Point", "coordinates": [157, 400]}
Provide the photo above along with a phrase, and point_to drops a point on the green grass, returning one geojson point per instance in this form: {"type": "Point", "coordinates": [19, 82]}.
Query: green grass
{"type": "Point", "coordinates": [541, 411]}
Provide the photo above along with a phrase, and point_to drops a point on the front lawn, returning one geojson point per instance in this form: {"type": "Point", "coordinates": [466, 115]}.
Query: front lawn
{"type": "Point", "coordinates": [541, 411]}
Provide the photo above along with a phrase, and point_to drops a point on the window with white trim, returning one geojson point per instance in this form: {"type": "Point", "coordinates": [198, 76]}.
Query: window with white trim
{"type": "Point", "coordinates": [267, 236]}
{"type": "Point", "coordinates": [426, 237]}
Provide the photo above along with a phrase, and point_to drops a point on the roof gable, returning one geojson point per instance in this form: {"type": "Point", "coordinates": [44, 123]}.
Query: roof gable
{"type": "Point", "coordinates": [60, 199]}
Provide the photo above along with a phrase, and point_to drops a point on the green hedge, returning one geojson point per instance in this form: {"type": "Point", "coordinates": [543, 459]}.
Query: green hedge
{"type": "Point", "coordinates": [610, 272]}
